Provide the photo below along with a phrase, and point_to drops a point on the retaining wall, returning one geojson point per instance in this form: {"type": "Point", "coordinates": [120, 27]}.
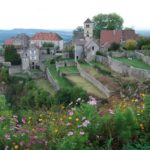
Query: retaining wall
{"type": "Point", "coordinates": [92, 80]}
{"type": "Point", "coordinates": [51, 80]}
{"type": "Point", "coordinates": [123, 68]}
{"type": "Point", "coordinates": [15, 69]}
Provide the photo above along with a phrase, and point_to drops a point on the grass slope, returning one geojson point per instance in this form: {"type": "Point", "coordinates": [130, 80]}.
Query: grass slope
{"type": "Point", "coordinates": [134, 62]}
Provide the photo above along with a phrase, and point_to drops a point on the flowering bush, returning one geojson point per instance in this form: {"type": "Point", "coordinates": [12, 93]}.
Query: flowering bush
{"type": "Point", "coordinates": [76, 127]}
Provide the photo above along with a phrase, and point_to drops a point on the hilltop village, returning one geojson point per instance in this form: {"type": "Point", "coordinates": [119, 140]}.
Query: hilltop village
{"type": "Point", "coordinates": [89, 93]}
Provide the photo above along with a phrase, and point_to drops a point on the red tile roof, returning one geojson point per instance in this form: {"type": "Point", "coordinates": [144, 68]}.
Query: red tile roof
{"type": "Point", "coordinates": [46, 36]}
{"type": "Point", "coordinates": [110, 36]}
{"type": "Point", "coordinates": [9, 42]}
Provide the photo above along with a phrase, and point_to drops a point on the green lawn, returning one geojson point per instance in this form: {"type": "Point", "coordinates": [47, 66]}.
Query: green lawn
{"type": "Point", "coordinates": [44, 84]}
{"type": "Point", "coordinates": [63, 82]}
{"type": "Point", "coordinates": [134, 62]}
{"type": "Point", "coordinates": [71, 69]}
{"type": "Point", "coordinates": [87, 86]}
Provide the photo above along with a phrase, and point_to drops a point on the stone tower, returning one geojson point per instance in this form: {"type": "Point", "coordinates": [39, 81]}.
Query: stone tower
{"type": "Point", "coordinates": [88, 29]}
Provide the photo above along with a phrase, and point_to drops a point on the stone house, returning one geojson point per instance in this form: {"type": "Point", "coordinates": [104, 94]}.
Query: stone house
{"type": "Point", "coordinates": [40, 38]}
{"type": "Point", "coordinates": [108, 37]}
{"type": "Point", "coordinates": [85, 44]}
{"type": "Point", "coordinates": [20, 41]}
{"type": "Point", "coordinates": [31, 58]}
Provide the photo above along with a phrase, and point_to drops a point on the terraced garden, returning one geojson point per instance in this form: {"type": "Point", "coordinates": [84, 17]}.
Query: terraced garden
{"type": "Point", "coordinates": [87, 86]}
{"type": "Point", "coordinates": [101, 73]}
{"type": "Point", "coordinates": [63, 82]}
{"type": "Point", "coordinates": [71, 69]}
{"type": "Point", "coordinates": [134, 62]}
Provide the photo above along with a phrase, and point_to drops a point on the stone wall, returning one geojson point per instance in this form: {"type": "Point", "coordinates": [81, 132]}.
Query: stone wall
{"type": "Point", "coordinates": [124, 69]}
{"type": "Point", "coordinates": [92, 80]}
{"type": "Point", "coordinates": [51, 80]}
{"type": "Point", "coordinates": [145, 59]}
{"type": "Point", "coordinates": [15, 69]}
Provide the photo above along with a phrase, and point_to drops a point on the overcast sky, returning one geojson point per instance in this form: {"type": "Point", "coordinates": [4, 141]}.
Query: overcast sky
{"type": "Point", "coordinates": [68, 14]}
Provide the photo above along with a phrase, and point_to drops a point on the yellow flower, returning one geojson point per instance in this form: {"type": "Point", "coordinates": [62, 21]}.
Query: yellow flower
{"type": "Point", "coordinates": [56, 130]}
{"type": "Point", "coordinates": [142, 110]}
{"type": "Point", "coordinates": [40, 120]}
{"type": "Point", "coordinates": [16, 147]}
{"type": "Point", "coordinates": [62, 107]}
{"type": "Point", "coordinates": [30, 117]}
{"type": "Point", "coordinates": [142, 126]}
{"type": "Point", "coordinates": [61, 119]}
{"type": "Point", "coordinates": [69, 118]}
{"type": "Point", "coordinates": [77, 119]}
{"type": "Point", "coordinates": [40, 115]}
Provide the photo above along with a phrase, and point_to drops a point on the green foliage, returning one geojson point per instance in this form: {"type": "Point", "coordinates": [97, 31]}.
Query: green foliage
{"type": "Point", "coordinates": [100, 53]}
{"type": "Point", "coordinates": [68, 95]}
{"type": "Point", "coordinates": [146, 47]}
{"type": "Point", "coordinates": [75, 142]}
{"type": "Point", "coordinates": [48, 44]}
{"type": "Point", "coordinates": [143, 41]}
{"type": "Point", "coordinates": [106, 22]}
{"type": "Point", "coordinates": [78, 29]}
{"type": "Point", "coordinates": [12, 56]}
{"type": "Point", "coordinates": [114, 46]}
{"type": "Point", "coordinates": [4, 75]}
{"type": "Point", "coordinates": [130, 45]}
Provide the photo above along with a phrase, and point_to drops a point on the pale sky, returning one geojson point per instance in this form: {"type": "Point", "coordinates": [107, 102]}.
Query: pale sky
{"type": "Point", "coordinates": [68, 14]}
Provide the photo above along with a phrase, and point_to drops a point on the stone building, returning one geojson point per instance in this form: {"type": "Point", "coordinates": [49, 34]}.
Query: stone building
{"type": "Point", "coordinates": [20, 41]}
{"type": "Point", "coordinates": [85, 44]}
{"type": "Point", "coordinates": [40, 38]}
{"type": "Point", "coordinates": [31, 58]}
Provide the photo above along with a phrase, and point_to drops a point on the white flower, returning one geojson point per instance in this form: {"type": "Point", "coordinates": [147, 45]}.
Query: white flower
{"type": "Point", "coordinates": [70, 133]}
{"type": "Point", "coordinates": [82, 133]}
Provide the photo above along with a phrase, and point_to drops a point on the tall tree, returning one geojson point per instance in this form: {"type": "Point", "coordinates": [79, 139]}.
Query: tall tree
{"type": "Point", "coordinates": [12, 56]}
{"type": "Point", "coordinates": [107, 22]}
{"type": "Point", "coordinates": [78, 29]}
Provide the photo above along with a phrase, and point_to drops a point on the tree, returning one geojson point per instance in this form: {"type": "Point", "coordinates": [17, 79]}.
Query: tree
{"type": "Point", "coordinates": [12, 56]}
{"type": "Point", "coordinates": [130, 44]}
{"type": "Point", "coordinates": [107, 22]}
{"type": "Point", "coordinates": [78, 29]}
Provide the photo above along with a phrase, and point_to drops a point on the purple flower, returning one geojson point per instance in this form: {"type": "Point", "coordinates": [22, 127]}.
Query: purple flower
{"type": "Point", "coordinates": [6, 147]}
{"type": "Point", "coordinates": [92, 101]}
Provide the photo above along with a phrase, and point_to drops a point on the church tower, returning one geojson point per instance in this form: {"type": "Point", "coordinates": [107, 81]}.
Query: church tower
{"type": "Point", "coordinates": [88, 29]}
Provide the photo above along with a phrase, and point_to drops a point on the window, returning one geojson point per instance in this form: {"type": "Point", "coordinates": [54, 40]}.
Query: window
{"type": "Point", "coordinates": [93, 48]}
{"type": "Point", "coordinates": [87, 26]}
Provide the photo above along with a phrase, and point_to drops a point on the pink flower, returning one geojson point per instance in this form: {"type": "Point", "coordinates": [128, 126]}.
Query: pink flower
{"type": "Point", "coordinates": [70, 133]}
{"type": "Point", "coordinates": [82, 133]}
{"type": "Point", "coordinates": [92, 101]}
{"type": "Point", "coordinates": [6, 147]}
{"type": "Point", "coordinates": [111, 111]}
{"type": "Point", "coordinates": [2, 118]}
{"type": "Point", "coordinates": [70, 113]}
{"type": "Point", "coordinates": [85, 123]}
{"type": "Point", "coordinates": [7, 136]}
{"type": "Point", "coordinates": [24, 120]}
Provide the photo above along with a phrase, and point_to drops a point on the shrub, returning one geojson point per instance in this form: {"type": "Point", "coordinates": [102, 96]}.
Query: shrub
{"type": "Point", "coordinates": [143, 41]}
{"type": "Point", "coordinates": [4, 75]}
{"type": "Point", "coordinates": [114, 46]}
{"type": "Point", "coordinates": [100, 53]}
{"type": "Point", "coordinates": [146, 47]}
{"type": "Point", "coordinates": [130, 45]}
{"type": "Point", "coordinates": [68, 95]}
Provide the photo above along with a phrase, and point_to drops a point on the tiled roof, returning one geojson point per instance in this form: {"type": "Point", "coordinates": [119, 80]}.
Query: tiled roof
{"type": "Point", "coordinates": [129, 34]}
{"type": "Point", "coordinates": [46, 36]}
{"type": "Point", "coordinates": [88, 21]}
{"type": "Point", "coordinates": [9, 41]}
{"type": "Point", "coordinates": [110, 36]}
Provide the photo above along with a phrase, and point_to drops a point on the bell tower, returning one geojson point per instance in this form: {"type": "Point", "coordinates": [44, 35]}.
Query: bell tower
{"type": "Point", "coordinates": [88, 29]}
